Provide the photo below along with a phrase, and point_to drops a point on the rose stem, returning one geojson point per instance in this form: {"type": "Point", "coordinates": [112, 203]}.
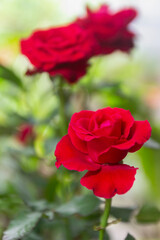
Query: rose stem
{"type": "Point", "coordinates": [104, 218]}
{"type": "Point", "coordinates": [63, 117]}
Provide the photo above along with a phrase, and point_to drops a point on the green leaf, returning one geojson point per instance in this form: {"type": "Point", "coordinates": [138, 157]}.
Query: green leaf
{"type": "Point", "coordinates": [83, 205]}
{"type": "Point", "coordinates": [40, 206]}
{"type": "Point", "coordinates": [151, 168]}
{"type": "Point", "coordinates": [122, 213]}
{"type": "Point", "coordinates": [148, 214]}
{"type": "Point", "coordinates": [129, 237]}
{"type": "Point", "coordinates": [10, 76]}
{"type": "Point", "coordinates": [21, 226]}
{"type": "Point", "coordinates": [32, 236]}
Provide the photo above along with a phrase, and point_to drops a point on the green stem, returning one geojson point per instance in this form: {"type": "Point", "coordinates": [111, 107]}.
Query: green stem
{"type": "Point", "coordinates": [104, 218]}
{"type": "Point", "coordinates": [63, 117]}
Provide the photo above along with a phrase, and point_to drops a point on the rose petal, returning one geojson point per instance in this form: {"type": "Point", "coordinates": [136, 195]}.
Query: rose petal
{"type": "Point", "coordinates": [75, 131]}
{"type": "Point", "coordinates": [97, 146]}
{"type": "Point", "coordinates": [72, 159]}
{"type": "Point", "coordinates": [81, 114]}
{"type": "Point", "coordinates": [127, 120]}
{"type": "Point", "coordinates": [112, 156]}
{"type": "Point", "coordinates": [110, 180]}
{"type": "Point", "coordinates": [101, 150]}
{"type": "Point", "coordinates": [139, 134]}
{"type": "Point", "coordinates": [70, 71]}
{"type": "Point", "coordinates": [124, 17]}
{"type": "Point", "coordinates": [117, 116]}
{"type": "Point", "coordinates": [76, 141]}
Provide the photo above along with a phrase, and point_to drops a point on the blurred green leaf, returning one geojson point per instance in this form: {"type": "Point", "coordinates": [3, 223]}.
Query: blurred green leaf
{"type": "Point", "coordinates": [32, 236]}
{"type": "Point", "coordinates": [83, 205]}
{"type": "Point", "coordinates": [21, 226]}
{"type": "Point", "coordinates": [9, 75]}
{"type": "Point", "coordinates": [41, 205]}
{"type": "Point", "coordinates": [49, 215]}
{"type": "Point", "coordinates": [148, 214]}
{"type": "Point", "coordinates": [10, 203]}
{"type": "Point", "coordinates": [129, 237]}
{"type": "Point", "coordinates": [122, 213]}
{"type": "Point", "coordinates": [6, 130]}
{"type": "Point", "coordinates": [151, 165]}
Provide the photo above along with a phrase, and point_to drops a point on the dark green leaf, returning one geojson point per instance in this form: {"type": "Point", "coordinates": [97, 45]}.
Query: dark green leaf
{"type": "Point", "coordinates": [40, 206]}
{"type": "Point", "coordinates": [83, 205]}
{"type": "Point", "coordinates": [129, 237]}
{"type": "Point", "coordinates": [10, 76]}
{"type": "Point", "coordinates": [148, 214]}
{"type": "Point", "coordinates": [32, 236]}
{"type": "Point", "coordinates": [21, 226]}
{"type": "Point", "coordinates": [122, 213]}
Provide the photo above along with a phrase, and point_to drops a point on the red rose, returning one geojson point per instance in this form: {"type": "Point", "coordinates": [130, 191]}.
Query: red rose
{"type": "Point", "coordinates": [97, 142]}
{"type": "Point", "coordinates": [110, 30]}
{"type": "Point", "coordinates": [62, 50]}
{"type": "Point", "coordinates": [25, 134]}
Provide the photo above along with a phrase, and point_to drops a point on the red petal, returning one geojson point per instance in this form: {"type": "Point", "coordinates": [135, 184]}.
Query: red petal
{"type": "Point", "coordinates": [72, 159]}
{"type": "Point", "coordinates": [71, 71]}
{"type": "Point", "coordinates": [102, 115]}
{"type": "Point", "coordinates": [112, 156]}
{"type": "Point", "coordinates": [73, 130]}
{"type": "Point", "coordinates": [124, 17]}
{"type": "Point", "coordinates": [76, 141]}
{"type": "Point", "coordinates": [98, 146]}
{"type": "Point", "coordinates": [110, 180]}
{"type": "Point", "coordinates": [139, 134]}
{"type": "Point", "coordinates": [101, 151]}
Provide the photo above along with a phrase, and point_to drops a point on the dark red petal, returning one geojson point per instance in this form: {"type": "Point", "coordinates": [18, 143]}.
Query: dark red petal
{"type": "Point", "coordinates": [72, 159]}
{"type": "Point", "coordinates": [98, 146]}
{"type": "Point", "coordinates": [110, 180]}
{"type": "Point", "coordinates": [31, 72]}
{"type": "Point", "coordinates": [127, 120]}
{"type": "Point", "coordinates": [76, 141]}
{"type": "Point", "coordinates": [112, 156]}
{"type": "Point", "coordinates": [70, 71]}
{"type": "Point", "coordinates": [139, 134]}
{"type": "Point", "coordinates": [75, 130]}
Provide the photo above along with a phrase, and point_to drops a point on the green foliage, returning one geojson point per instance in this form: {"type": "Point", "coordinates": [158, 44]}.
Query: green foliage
{"type": "Point", "coordinates": [82, 205]}
{"type": "Point", "coordinates": [9, 75]}
{"type": "Point", "coordinates": [21, 226]}
{"type": "Point", "coordinates": [148, 214]}
{"type": "Point", "coordinates": [124, 214]}
{"type": "Point", "coordinates": [129, 237]}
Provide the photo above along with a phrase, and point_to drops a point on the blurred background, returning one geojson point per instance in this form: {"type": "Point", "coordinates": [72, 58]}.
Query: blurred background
{"type": "Point", "coordinates": [30, 105]}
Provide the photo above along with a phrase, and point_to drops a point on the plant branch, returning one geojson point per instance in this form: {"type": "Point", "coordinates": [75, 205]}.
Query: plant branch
{"type": "Point", "coordinates": [104, 218]}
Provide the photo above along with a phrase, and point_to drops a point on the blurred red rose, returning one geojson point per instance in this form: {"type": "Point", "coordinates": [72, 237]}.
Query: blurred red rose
{"type": "Point", "coordinates": [97, 142]}
{"type": "Point", "coordinates": [25, 134]}
{"type": "Point", "coordinates": [59, 51]}
{"type": "Point", "coordinates": [110, 30]}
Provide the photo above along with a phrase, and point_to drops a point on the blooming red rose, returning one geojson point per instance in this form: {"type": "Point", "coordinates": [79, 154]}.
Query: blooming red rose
{"type": "Point", "coordinates": [62, 50]}
{"type": "Point", "coordinates": [110, 30]}
{"type": "Point", "coordinates": [97, 141]}
{"type": "Point", "coordinates": [25, 133]}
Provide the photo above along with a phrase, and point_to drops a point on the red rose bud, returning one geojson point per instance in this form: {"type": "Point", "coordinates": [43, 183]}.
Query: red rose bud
{"type": "Point", "coordinates": [59, 51]}
{"type": "Point", "coordinates": [110, 30]}
{"type": "Point", "coordinates": [98, 141]}
{"type": "Point", "coordinates": [25, 134]}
